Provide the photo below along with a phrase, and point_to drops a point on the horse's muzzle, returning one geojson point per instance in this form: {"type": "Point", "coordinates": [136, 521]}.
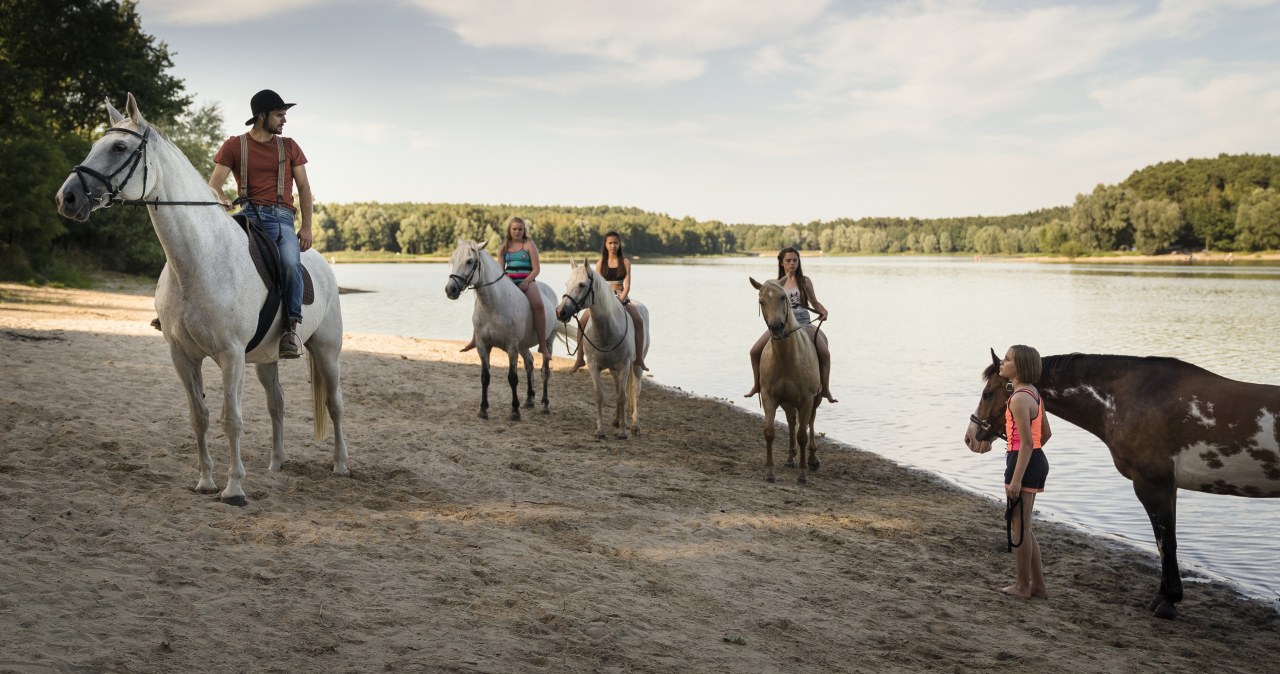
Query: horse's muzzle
{"type": "Point", "coordinates": [73, 201]}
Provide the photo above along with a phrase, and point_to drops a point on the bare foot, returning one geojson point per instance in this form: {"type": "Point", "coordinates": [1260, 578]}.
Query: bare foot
{"type": "Point", "coordinates": [578, 365]}
{"type": "Point", "coordinates": [470, 345]}
{"type": "Point", "coordinates": [754, 390]}
{"type": "Point", "coordinates": [642, 365]}
{"type": "Point", "coordinates": [829, 397]}
{"type": "Point", "coordinates": [1013, 591]}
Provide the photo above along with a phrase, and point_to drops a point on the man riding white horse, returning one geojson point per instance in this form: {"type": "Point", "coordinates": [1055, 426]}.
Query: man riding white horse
{"type": "Point", "coordinates": [265, 184]}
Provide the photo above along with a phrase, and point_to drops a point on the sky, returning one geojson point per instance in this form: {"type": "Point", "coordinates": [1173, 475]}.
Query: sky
{"type": "Point", "coordinates": [742, 111]}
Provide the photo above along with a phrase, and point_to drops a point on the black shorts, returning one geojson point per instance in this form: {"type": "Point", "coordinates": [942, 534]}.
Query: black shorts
{"type": "Point", "coordinates": [1037, 470]}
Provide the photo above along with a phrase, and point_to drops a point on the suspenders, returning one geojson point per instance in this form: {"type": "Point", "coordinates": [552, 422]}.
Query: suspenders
{"type": "Point", "coordinates": [244, 169]}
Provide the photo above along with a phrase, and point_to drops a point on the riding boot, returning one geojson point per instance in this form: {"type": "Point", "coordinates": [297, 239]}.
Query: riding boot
{"type": "Point", "coordinates": [289, 342]}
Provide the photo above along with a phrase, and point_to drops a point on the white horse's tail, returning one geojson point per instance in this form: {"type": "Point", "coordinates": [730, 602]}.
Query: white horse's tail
{"type": "Point", "coordinates": [320, 397]}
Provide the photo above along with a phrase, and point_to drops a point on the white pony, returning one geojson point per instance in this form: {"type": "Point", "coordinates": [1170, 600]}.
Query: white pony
{"type": "Point", "coordinates": [609, 343]}
{"type": "Point", "coordinates": [501, 319]}
{"type": "Point", "coordinates": [209, 292]}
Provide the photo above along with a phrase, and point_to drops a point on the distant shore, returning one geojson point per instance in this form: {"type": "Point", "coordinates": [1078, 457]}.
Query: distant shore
{"type": "Point", "coordinates": [1193, 258]}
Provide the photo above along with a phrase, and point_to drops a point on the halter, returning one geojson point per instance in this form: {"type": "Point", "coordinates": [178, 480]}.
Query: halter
{"type": "Point", "coordinates": [139, 156]}
{"type": "Point", "coordinates": [466, 281]}
{"type": "Point", "coordinates": [788, 333]}
{"type": "Point", "coordinates": [990, 427]}
{"type": "Point", "coordinates": [579, 306]}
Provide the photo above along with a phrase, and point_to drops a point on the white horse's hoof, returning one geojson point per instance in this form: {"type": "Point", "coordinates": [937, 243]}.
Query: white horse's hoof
{"type": "Point", "coordinates": [206, 487]}
{"type": "Point", "coordinates": [341, 470]}
{"type": "Point", "coordinates": [601, 436]}
{"type": "Point", "coordinates": [237, 501]}
{"type": "Point", "coordinates": [770, 479]}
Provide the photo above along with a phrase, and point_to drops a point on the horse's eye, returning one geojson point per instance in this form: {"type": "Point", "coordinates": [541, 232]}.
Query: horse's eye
{"type": "Point", "coordinates": [119, 146]}
{"type": "Point", "coordinates": [986, 395]}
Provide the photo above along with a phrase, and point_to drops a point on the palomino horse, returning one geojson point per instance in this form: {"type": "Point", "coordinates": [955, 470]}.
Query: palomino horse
{"type": "Point", "coordinates": [501, 319]}
{"type": "Point", "coordinates": [609, 343]}
{"type": "Point", "coordinates": [788, 377]}
{"type": "Point", "coordinates": [209, 292]}
{"type": "Point", "coordinates": [1169, 425]}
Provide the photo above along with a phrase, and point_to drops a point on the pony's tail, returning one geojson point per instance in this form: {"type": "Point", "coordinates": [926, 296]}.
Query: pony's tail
{"type": "Point", "coordinates": [319, 396]}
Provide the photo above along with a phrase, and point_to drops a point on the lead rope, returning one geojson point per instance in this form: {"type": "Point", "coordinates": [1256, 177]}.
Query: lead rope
{"type": "Point", "coordinates": [1012, 505]}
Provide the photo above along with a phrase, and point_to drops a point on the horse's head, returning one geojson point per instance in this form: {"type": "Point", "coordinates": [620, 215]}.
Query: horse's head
{"type": "Point", "coordinates": [579, 291]}
{"type": "Point", "coordinates": [987, 423]}
{"type": "Point", "coordinates": [465, 268]}
{"type": "Point", "coordinates": [775, 307]}
{"type": "Point", "coordinates": [117, 167]}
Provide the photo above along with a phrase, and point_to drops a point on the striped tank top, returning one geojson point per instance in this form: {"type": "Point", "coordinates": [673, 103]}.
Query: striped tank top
{"type": "Point", "coordinates": [518, 265]}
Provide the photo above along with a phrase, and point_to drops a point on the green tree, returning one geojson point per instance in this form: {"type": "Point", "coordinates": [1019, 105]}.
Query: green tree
{"type": "Point", "coordinates": [59, 60]}
{"type": "Point", "coordinates": [1258, 220]}
{"type": "Point", "coordinates": [1156, 225]}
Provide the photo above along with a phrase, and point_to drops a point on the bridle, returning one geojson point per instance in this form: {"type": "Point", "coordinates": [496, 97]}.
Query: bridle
{"type": "Point", "coordinates": [479, 282]}
{"type": "Point", "coordinates": [139, 156]}
{"type": "Point", "coordinates": [798, 328]}
{"type": "Point", "coordinates": [588, 299]}
{"type": "Point", "coordinates": [988, 428]}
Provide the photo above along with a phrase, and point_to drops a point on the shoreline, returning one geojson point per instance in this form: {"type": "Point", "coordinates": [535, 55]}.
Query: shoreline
{"type": "Point", "coordinates": [464, 545]}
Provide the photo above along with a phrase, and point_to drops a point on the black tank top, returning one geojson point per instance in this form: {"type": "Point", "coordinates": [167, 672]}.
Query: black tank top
{"type": "Point", "coordinates": [614, 274]}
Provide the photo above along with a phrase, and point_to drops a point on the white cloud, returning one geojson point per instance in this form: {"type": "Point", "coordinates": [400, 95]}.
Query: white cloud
{"type": "Point", "coordinates": [206, 12]}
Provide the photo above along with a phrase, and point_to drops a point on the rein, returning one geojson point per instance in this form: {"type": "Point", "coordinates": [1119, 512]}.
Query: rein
{"type": "Point", "coordinates": [579, 306]}
{"type": "Point", "coordinates": [466, 281]}
{"type": "Point", "coordinates": [131, 162]}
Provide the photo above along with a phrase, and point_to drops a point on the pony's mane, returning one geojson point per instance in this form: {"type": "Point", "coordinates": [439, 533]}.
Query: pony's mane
{"type": "Point", "coordinates": [1054, 367]}
{"type": "Point", "coordinates": [1072, 363]}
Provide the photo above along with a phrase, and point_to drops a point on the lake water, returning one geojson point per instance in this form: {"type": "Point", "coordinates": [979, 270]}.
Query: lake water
{"type": "Point", "coordinates": [909, 342]}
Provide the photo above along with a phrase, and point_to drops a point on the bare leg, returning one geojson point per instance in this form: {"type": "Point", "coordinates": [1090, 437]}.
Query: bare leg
{"type": "Point", "coordinates": [1029, 572]}
{"type": "Point", "coordinates": [581, 360]}
{"type": "Point", "coordinates": [539, 318]}
{"type": "Point", "coordinates": [635, 316]}
{"type": "Point", "coordinates": [824, 366]}
{"type": "Point", "coordinates": [471, 344]}
{"type": "Point", "coordinates": [756, 350]}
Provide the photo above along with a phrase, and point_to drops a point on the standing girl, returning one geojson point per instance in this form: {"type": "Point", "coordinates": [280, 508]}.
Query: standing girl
{"type": "Point", "coordinates": [616, 269]}
{"type": "Point", "coordinates": [800, 291]}
{"type": "Point", "coordinates": [1026, 467]}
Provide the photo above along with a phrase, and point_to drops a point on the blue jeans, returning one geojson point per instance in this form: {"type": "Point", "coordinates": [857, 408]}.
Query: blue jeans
{"type": "Point", "coordinates": [277, 222]}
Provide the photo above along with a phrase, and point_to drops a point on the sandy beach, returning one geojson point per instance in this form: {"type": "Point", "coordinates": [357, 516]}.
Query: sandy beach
{"type": "Point", "coordinates": [463, 545]}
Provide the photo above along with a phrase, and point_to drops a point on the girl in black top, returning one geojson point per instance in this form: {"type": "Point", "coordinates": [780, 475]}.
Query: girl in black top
{"type": "Point", "coordinates": [616, 269]}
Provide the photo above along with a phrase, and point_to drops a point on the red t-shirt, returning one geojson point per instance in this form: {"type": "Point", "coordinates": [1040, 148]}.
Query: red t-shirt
{"type": "Point", "coordinates": [263, 162]}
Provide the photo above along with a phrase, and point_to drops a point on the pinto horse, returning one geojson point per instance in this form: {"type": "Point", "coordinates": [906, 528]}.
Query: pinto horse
{"type": "Point", "coordinates": [789, 378]}
{"type": "Point", "coordinates": [209, 292]}
{"type": "Point", "coordinates": [1169, 425]}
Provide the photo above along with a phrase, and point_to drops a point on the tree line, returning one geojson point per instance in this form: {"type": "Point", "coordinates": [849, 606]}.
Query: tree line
{"type": "Point", "coordinates": [60, 59]}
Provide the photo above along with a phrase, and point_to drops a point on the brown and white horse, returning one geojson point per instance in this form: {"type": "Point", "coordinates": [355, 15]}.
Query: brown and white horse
{"type": "Point", "coordinates": [788, 378]}
{"type": "Point", "coordinates": [1169, 425]}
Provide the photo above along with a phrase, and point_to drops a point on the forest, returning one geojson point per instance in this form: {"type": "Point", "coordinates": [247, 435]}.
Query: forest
{"type": "Point", "coordinates": [51, 107]}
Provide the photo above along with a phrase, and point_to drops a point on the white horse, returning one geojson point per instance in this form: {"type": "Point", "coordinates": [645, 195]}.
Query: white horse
{"type": "Point", "coordinates": [609, 343]}
{"type": "Point", "coordinates": [209, 293]}
{"type": "Point", "coordinates": [502, 319]}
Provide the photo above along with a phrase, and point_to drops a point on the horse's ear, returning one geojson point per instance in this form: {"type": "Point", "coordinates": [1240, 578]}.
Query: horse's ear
{"type": "Point", "coordinates": [113, 114]}
{"type": "Point", "coordinates": [754, 283]}
{"type": "Point", "coordinates": [131, 107]}
{"type": "Point", "coordinates": [573, 264]}
{"type": "Point", "coordinates": [480, 245]}
{"type": "Point", "coordinates": [994, 358]}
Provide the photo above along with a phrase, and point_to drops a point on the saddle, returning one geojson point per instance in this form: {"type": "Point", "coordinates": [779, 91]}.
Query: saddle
{"type": "Point", "coordinates": [266, 258]}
